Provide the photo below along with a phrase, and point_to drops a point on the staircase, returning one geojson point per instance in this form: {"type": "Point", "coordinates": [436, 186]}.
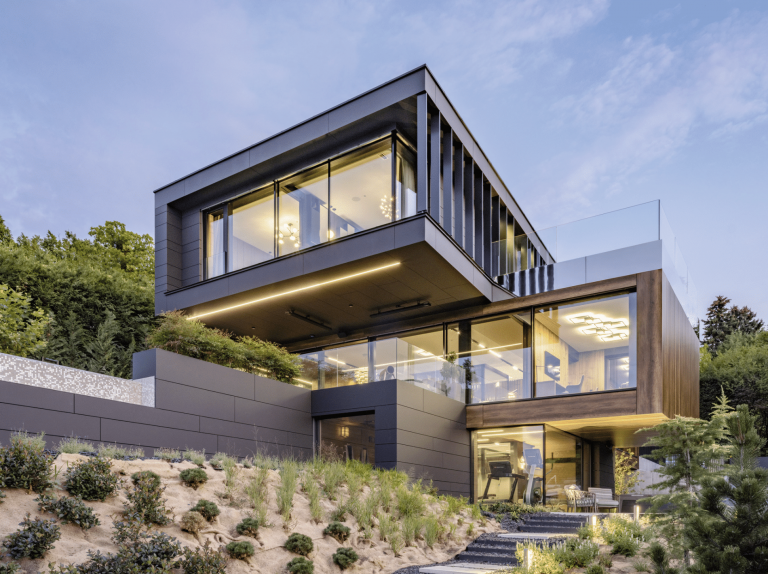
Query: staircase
{"type": "Point", "coordinates": [490, 553]}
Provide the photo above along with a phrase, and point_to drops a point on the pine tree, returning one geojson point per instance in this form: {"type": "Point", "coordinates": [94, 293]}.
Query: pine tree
{"type": "Point", "coordinates": [730, 534]}
{"type": "Point", "coordinates": [722, 320]}
{"type": "Point", "coordinates": [745, 320]}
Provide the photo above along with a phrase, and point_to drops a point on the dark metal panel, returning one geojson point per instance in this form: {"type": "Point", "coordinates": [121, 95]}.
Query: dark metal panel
{"type": "Point", "coordinates": [239, 430]}
{"type": "Point", "coordinates": [151, 436]}
{"type": "Point", "coordinates": [503, 226]}
{"type": "Point", "coordinates": [17, 394]}
{"type": "Point", "coordinates": [478, 209]}
{"type": "Point", "coordinates": [35, 420]}
{"type": "Point", "coordinates": [185, 399]}
{"type": "Point", "coordinates": [458, 193]}
{"type": "Point", "coordinates": [495, 234]}
{"type": "Point", "coordinates": [435, 197]}
{"type": "Point", "coordinates": [422, 158]}
{"type": "Point", "coordinates": [272, 416]}
{"type": "Point", "coordinates": [469, 206]}
{"type": "Point", "coordinates": [135, 413]}
{"type": "Point", "coordinates": [203, 375]}
{"type": "Point", "coordinates": [487, 218]}
{"type": "Point", "coordinates": [444, 407]}
{"type": "Point", "coordinates": [447, 192]}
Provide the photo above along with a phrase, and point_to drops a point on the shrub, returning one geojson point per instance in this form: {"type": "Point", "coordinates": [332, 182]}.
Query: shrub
{"type": "Point", "coordinates": [595, 569]}
{"type": "Point", "coordinates": [544, 558]}
{"type": "Point", "coordinates": [146, 474]}
{"type": "Point", "coordinates": [576, 553]}
{"type": "Point", "coordinates": [387, 527]}
{"type": "Point", "coordinates": [203, 561]}
{"type": "Point", "coordinates": [168, 454]}
{"type": "Point", "coordinates": [412, 529]}
{"type": "Point", "coordinates": [192, 521]}
{"type": "Point", "coordinates": [208, 509]}
{"type": "Point", "coordinates": [69, 510]}
{"type": "Point", "coordinates": [289, 473]}
{"type": "Point", "coordinates": [338, 531]}
{"type": "Point", "coordinates": [248, 527]}
{"type": "Point", "coordinates": [455, 505]}
{"type": "Point", "coordinates": [409, 502]}
{"type": "Point", "coordinates": [92, 479]}
{"type": "Point", "coordinates": [74, 445]}
{"type": "Point", "coordinates": [299, 544]}
{"type": "Point", "coordinates": [606, 561]}
{"type": "Point", "coordinates": [24, 463]}
{"type": "Point", "coordinates": [433, 530]}
{"type": "Point", "coordinates": [515, 510]}
{"type": "Point", "coordinates": [119, 452]}
{"type": "Point", "coordinates": [220, 460]}
{"type": "Point", "coordinates": [619, 527]}
{"type": "Point", "coordinates": [344, 558]}
{"type": "Point", "coordinates": [9, 568]}
{"type": "Point", "coordinates": [194, 477]}
{"type": "Point", "coordinates": [195, 456]}
{"type": "Point", "coordinates": [145, 501]}
{"type": "Point", "coordinates": [301, 565]}
{"type": "Point", "coordinates": [1, 494]}
{"type": "Point", "coordinates": [626, 545]}
{"type": "Point", "coordinates": [192, 338]}
{"type": "Point", "coordinates": [33, 539]}
{"type": "Point", "coordinates": [240, 550]}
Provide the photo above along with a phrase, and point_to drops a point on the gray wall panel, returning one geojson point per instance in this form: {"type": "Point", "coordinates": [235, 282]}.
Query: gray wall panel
{"type": "Point", "coordinates": [156, 437]}
{"type": "Point", "coordinates": [26, 395]}
{"type": "Point", "coordinates": [104, 408]}
{"type": "Point", "coordinates": [203, 375]}
{"type": "Point", "coordinates": [35, 420]}
{"type": "Point", "coordinates": [244, 431]}
{"type": "Point", "coordinates": [181, 398]}
{"type": "Point", "coordinates": [271, 416]}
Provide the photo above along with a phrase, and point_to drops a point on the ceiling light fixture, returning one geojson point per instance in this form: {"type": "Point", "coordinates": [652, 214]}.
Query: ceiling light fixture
{"type": "Point", "coordinates": [300, 289]}
{"type": "Point", "coordinates": [308, 319]}
{"type": "Point", "coordinates": [401, 308]}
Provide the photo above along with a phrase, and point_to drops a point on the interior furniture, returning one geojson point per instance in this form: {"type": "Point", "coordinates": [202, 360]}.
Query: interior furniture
{"type": "Point", "coordinates": [578, 499]}
{"type": "Point", "coordinates": [604, 498]}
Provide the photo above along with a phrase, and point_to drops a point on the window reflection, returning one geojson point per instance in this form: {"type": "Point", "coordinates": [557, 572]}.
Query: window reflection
{"type": "Point", "coordinates": [215, 254]}
{"type": "Point", "coordinates": [586, 346]}
{"type": "Point", "coordinates": [303, 210]}
{"type": "Point", "coordinates": [361, 189]}
{"type": "Point", "coordinates": [252, 229]}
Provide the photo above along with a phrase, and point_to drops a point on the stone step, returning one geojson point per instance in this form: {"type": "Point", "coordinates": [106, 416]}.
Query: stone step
{"type": "Point", "coordinates": [556, 518]}
{"type": "Point", "coordinates": [491, 558]}
{"type": "Point", "coordinates": [549, 529]}
{"type": "Point", "coordinates": [482, 549]}
{"type": "Point", "coordinates": [463, 568]}
{"type": "Point", "coordinates": [495, 542]}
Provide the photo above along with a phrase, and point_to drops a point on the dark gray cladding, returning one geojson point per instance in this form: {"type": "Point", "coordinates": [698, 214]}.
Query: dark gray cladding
{"type": "Point", "coordinates": [199, 405]}
{"type": "Point", "coordinates": [417, 431]}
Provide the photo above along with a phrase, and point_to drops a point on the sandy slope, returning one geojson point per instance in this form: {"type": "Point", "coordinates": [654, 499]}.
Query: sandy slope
{"type": "Point", "coordinates": [271, 557]}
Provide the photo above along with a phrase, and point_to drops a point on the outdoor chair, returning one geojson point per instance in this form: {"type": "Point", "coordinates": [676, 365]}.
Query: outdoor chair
{"type": "Point", "coordinates": [579, 499]}
{"type": "Point", "coordinates": [604, 498]}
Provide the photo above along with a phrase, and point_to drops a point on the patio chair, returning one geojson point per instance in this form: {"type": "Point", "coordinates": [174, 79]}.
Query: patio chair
{"type": "Point", "coordinates": [604, 498]}
{"type": "Point", "coordinates": [579, 499]}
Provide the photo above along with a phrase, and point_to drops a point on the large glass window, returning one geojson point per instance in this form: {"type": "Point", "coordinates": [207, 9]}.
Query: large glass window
{"type": "Point", "coordinates": [303, 210]}
{"type": "Point", "coordinates": [562, 464]}
{"type": "Point", "coordinates": [351, 437]}
{"type": "Point", "coordinates": [586, 346]}
{"type": "Point", "coordinates": [496, 355]}
{"type": "Point", "coordinates": [509, 464]}
{"type": "Point", "coordinates": [361, 189]}
{"type": "Point", "coordinates": [251, 229]}
{"type": "Point", "coordinates": [405, 186]}
{"type": "Point", "coordinates": [215, 254]}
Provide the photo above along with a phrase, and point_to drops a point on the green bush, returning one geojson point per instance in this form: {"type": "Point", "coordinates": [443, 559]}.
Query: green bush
{"type": "Point", "coordinates": [92, 479]}
{"type": "Point", "coordinates": [515, 510]}
{"type": "Point", "coordinates": [240, 550]}
{"type": "Point", "coordinates": [193, 477]}
{"type": "Point", "coordinates": [168, 454]}
{"type": "Point", "coordinates": [301, 565]}
{"type": "Point", "coordinates": [299, 544]}
{"type": "Point", "coordinates": [605, 561]}
{"type": "Point", "coordinates": [248, 527]}
{"type": "Point", "coordinates": [146, 474]}
{"type": "Point", "coordinates": [69, 510]}
{"type": "Point", "coordinates": [577, 553]}
{"type": "Point", "coordinates": [208, 509]}
{"type": "Point", "coordinates": [345, 557]}
{"type": "Point", "coordinates": [145, 501]}
{"type": "Point", "coordinates": [119, 452]}
{"type": "Point", "coordinates": [626, 545]}
{"type": "Point", "coordinates": [9, 568]}
{"type": "Point", "coordinates": [1, 495]}
{"type": "Point", "coordinates": [338, 531]}
{"type": "Point", "coordinates": [74, 445]}
{"type": "Point", "coordinates": [192, 338]}
{"type": "Point", "coordinates": [203, 561]}
{"type": "Point", "coordinates": [23, 464]}
{"type": "Point", "coordinates": [33, 539]}
{"type": "Point", "coordinates": [595, 569]}
{"type": "Point", "coordinates": [192, 521]}
{"type": "Point", "coordinates": [195, 456]}
{"type": "Point", "coordinates": [410, 502]}
{"type": "Point", "coordinates": [545, 558]}
{"type": "Point", "coordinates": [619, 527]}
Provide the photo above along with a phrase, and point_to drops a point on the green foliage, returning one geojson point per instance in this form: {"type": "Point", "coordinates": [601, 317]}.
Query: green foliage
{"type": "Point", "coordinates": [616, 527]}
{"type": "Point", "coordinates": [69, 510]}
{"type": "Point", "coordinates": [33, 539]}
{"type": "Point", "coordinates": [411, 529]}
{"type": "Point", "coordinates": [595, 569]}
{"type": "Point", "coordinates": [195, 456]}
{"type": "Point", "coordinates": [605, 561]}
{"type": "Point", "coordinates": [74, 445]}
{"type": "Point", "coordinates": [289, 474]}
{"type": "Point", "coordinates": [203, 560]}
{"type": "Point", "coordinates": [192, 338]}
{"type": "Point", "coordinates": [240, 550]}
{"type": "Point", "coordinates": [301, 565]}
{"type": "Point", "coordinates": [248, 527]}
{"type": "Point", "coordinates": [299, 544]}
{"type": "Point", "coordinates": [92, 479]}
{"type": "Point", "coordinates": [22, 328]}
{"type": "Point", "coordinates": [730, 533]}
{"type": "Point", "coordinates": [257, 491]}
{"type": "Point", "coordinates": [625, 471]}
{"type": "Point", "coordinates": [345, 557]}
{"type": "Point", "coordinates": [338, 531]}
{"type": "Point", "coordinates": [168, 454]}
{"type": "Point", "coordinates": [388, 527]}
{"type": "Point", "coordinates": [544, 559]}
{"type": "Point", "coordinates": [146, 475]}
{"type": "Point", "coordinates": [119, 452]}
{"type": "Point", "coordinates": [5, 233]}
{"type": "Point", "coordinates": [10, 567]}
{"type": "Point", "coordinates": [208, 509]}
{"type": "Point", "coordinates": [514, 510]}
{"type": "Point", "coordinates": [722, 321]}
{"type": "Point", "coordinates": [145, 501]}
{"type": "Point", "coordinates": [192, 521]}
{"type": "Point", "coordinates": [660, 559]}
{"type": "Point", "coordinates": [100, 296]}
{"type": "Point", "coordinates": [625, 545]}
{"type": "Point", "coordinates": [23, 464]}
{"type": "Point", "coordinates": [194, 477]}
{"type": "Point", "coordinates": [455, 504]}
{"type": "Point", "coordinates": [576, 553]}
{"type": "Point", "coordinates": [410, 502]}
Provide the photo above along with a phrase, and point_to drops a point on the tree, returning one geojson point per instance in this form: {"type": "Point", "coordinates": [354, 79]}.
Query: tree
{"type": "Point", "coordinates": [128, 250]}
{"type": "Point", "coordinates": [731, 532]}
{"type": "Point", "coordinates": [625, 471]}
{"type": "Point", "coordinates": [5, 233]}
{"type": "Point", "coordinates": [722, 321]}
{"type": "Point", "coordinates": [22, 328]}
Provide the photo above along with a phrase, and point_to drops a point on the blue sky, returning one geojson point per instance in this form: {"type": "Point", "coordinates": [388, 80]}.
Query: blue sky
{"type": "Point", "coordinates": [583, 106]}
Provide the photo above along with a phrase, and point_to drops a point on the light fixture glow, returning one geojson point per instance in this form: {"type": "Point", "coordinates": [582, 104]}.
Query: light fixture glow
{"type": "Point", "coordinates": [293, 291]}
{"type": "Point", "coordinates": [336, 361]}
{"type": "Point", "coordinates": [494, 353]}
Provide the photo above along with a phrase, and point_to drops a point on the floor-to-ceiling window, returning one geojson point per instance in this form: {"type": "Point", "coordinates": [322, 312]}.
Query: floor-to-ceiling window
{"type": "Point", "coordinates": [586, 346]}
{"type": "Point", "coordinates": [215, 250]}
{"type": "Point", "coordinates": [302, 216]}
{"type": "Point", "coordinates": [350, 437]}
{"type": "Point", "coordinates": [251, 229]}
{"type": "Point", "coordinates": [562, 464]}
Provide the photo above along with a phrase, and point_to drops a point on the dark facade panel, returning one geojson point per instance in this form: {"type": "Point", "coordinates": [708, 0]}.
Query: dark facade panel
{"type": "Point", "coordinates": [185, 399]}
{"type": "Point", "coordinates": [272, 416]}
{"type": "Point", "coordinates": [447, 173]}
{"type": "Point", "coordinates": [244, 431]}
{"type": "Point", "coordinates": [155, 437]}
{"type": "Point", "coordinates": [435, 195]}
{"type": "Point", "coordinates": [104, 408]}
{"type": "Point", "coordinates": [26, 395]}
{"type": "Point", "coordinates": [35, 420]}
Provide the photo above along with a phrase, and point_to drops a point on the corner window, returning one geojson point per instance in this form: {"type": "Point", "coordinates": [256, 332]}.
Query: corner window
{"type": "Point", "coordinates": [251, 229]}
{"type": "Point", "coordinates": [586, 346]}
{"type": "Point", "coordinates": [215, 254]}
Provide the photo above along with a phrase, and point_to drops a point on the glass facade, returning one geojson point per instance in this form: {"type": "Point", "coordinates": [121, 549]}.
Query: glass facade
{"type": "Point", "coordinates": [359, 190]}
{"type": "Point", "coordinates": [531, 464]}
{"type": "Point", "coordinates": [586, 346]}
{"type": "Point", "coordinates": [351, 437]}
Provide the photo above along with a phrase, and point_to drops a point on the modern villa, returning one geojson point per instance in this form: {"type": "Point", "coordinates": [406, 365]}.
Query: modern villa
{"type": "Point", "coordinates": [439, 331]}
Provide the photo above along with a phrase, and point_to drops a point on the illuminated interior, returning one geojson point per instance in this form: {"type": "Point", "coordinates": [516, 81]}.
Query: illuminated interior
{"type": "Point", "coordinates": [351, 437]}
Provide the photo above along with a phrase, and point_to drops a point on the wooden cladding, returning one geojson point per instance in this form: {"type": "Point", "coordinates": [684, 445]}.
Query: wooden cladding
{"type": "Point", "coordinates": [649, 357]}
